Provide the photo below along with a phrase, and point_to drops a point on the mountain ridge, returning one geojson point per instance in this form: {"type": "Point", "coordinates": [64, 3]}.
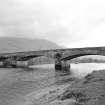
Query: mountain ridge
{"type": "Point", "coordinates": [12, 44]}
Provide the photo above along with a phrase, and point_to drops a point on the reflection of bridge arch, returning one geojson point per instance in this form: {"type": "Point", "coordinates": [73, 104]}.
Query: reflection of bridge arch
{"type": "Point", "coordinates": [77, 55]}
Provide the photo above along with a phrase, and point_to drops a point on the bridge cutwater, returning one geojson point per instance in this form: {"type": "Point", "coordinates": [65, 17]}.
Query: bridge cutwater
{"type": "Point", "coordinates": [60, 56]}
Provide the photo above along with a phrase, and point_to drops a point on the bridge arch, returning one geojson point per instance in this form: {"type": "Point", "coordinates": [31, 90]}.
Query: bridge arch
{"type": "Point", "coordinates": [77, 55]}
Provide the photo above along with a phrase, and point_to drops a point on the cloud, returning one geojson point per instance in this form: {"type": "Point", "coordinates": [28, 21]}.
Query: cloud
{"type": "Point", "coordinates": [61, 21]}
{"type": "Point", "coordinates": [97, 38]}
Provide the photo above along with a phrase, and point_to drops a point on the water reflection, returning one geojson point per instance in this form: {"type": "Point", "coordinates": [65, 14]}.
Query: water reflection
{"type": "Point", "coordinates": [82, 69]}
{"type": "Point", "coordinates": [52, 76]}
{"type": "Point", "coordinates": [62, 78]}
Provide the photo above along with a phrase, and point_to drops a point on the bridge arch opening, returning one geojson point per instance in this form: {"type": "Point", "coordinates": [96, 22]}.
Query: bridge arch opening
{"type": "Point", "coordinates": [87, 56]}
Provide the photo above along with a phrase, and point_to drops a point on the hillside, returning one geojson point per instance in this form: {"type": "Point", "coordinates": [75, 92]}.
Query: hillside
{"type": "Point", "coordinates": [11, 44]}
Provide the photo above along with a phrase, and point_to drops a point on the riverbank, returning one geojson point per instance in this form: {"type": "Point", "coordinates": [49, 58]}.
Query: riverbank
{"type": "Point", "coordinates": [88, 91]}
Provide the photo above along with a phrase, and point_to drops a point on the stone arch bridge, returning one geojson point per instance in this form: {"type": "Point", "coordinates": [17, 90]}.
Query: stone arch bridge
{"type": "Point", "coordinates": [59, 55]}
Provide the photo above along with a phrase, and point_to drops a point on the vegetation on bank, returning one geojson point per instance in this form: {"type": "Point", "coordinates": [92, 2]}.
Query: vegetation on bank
{"type": "Point", "coordinates": [41, 60]}
{"type": "Point", "coordinates": [88, 91]}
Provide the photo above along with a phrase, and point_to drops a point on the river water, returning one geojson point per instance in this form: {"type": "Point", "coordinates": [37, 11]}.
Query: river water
{"type": "Point", "coordinates": [16, 83]}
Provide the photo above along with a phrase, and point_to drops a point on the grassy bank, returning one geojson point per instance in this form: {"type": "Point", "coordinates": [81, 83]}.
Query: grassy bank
{"type": "Point", "coordinates": [87, 91]}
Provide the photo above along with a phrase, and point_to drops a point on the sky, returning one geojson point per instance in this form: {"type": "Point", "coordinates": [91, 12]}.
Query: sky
{"type": "Point", "coordinates": [70, 23]}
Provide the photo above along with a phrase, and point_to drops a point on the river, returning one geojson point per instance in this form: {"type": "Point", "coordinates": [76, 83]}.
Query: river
{"type": "Point", "coordinates": [16, 83]}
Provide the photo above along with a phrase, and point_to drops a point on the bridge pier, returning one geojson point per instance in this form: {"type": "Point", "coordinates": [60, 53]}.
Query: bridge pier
{"type": "Point", "coordinates": [60, 65]}
{"type": "Point", "coordinates": [63, 66]}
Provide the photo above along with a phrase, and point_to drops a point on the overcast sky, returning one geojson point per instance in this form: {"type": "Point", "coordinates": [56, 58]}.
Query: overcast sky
{"type": "Point", "coordinates": [71, 23]}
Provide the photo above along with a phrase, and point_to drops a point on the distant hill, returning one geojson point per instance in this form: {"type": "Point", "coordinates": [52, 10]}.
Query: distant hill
{"type": "Point", "coordinates": [12, 44]}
